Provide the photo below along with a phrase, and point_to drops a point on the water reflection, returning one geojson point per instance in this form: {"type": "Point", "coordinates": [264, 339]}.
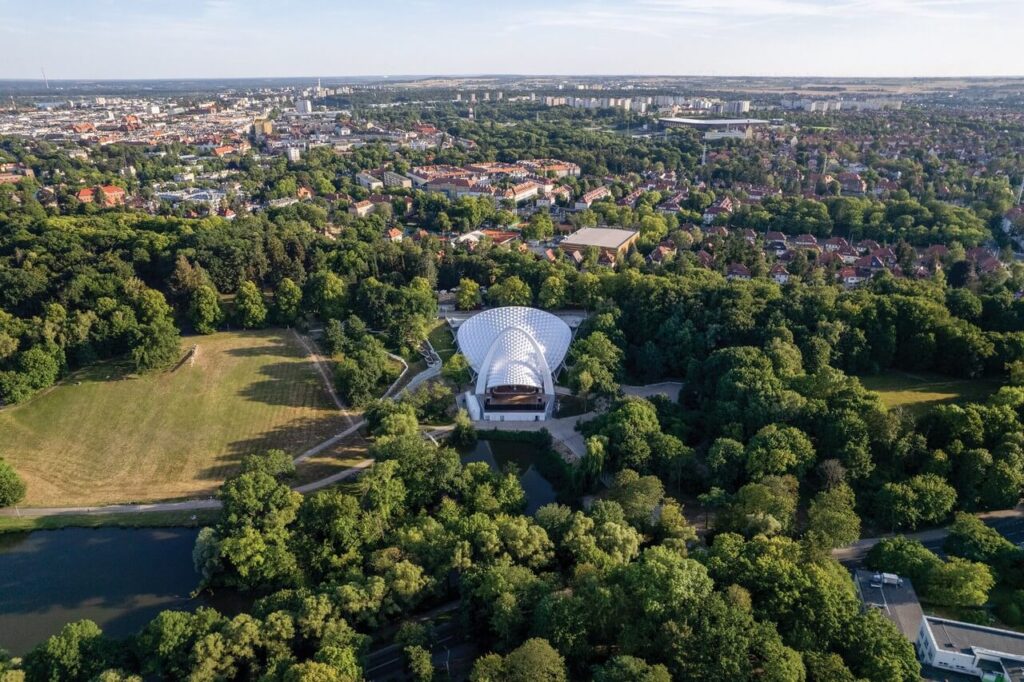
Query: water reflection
{"type": "Point", "coordinates": [118, 577]}
{"type": "Point", "coordinates": [500, 454]}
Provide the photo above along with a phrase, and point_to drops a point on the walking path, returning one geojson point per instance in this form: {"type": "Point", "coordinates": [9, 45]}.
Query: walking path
{"type": "Point", "coordinates": [321, 368]}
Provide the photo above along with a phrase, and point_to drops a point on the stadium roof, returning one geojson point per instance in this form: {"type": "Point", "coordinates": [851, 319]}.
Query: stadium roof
{"type": "Point", "coordinates": [514, 346]}
{"type": "Point", "coordinates": [715, 122]}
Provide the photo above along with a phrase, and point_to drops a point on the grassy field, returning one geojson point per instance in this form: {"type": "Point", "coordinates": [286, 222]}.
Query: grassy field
{"type": "Point", "coordinates": [343, 455]}
{"type": "Point", "coordinates": [918, 392]}
{"type": "Point", "coordinates": [104, 436]}
{"type": "Point", "coordinates": [441, 339]}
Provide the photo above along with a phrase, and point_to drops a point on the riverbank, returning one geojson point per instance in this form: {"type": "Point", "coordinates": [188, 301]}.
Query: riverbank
{"type": "Point", "coordinates": [155, 519]}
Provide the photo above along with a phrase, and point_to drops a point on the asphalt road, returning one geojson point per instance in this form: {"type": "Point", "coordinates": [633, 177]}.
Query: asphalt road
{"type": "Point", "coordinates": [1009, 522]}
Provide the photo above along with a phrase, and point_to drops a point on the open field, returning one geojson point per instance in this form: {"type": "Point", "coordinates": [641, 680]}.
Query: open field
{"type": "Point", "coordinates": [918, 392]}
{"type": "Point", "coordinates": [103, 436]}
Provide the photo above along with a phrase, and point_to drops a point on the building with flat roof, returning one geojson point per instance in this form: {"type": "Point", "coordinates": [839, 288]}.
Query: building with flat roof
{"type": "Point", "coordinates": [992, 654]}
{"type": "Point", "coordinates": [948, 649]}
{"type": "Point", "coordinates": [514, 351]}
{"type": "Point", "coordinates": [609, 241]}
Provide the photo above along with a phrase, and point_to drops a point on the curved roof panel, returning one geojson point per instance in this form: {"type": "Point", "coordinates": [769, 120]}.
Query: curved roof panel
{"type": "Point", "coordinates": [478, 333]}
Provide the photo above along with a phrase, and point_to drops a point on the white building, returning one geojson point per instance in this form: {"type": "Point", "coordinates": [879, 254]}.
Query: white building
{"type": "Point", "coordinates": [988, 653]}
{"type": "Point", "coordinates": [368, 181]}
{"type": "Point", "coordinates": [514, 351]}
{"type": "Point", "coordinates": [304, 106]}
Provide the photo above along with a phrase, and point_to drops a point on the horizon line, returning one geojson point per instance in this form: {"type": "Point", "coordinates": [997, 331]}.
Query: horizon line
{"type": "Point", "coordinates": [428, 75]}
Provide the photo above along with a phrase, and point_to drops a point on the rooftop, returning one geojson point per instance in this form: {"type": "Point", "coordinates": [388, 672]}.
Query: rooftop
{"type": "Point", "coordinates": [601, 237]}
{"type": "Point", "coordinates": [963, 637]}
{"type": "Point", "coordinates": [898, 603]}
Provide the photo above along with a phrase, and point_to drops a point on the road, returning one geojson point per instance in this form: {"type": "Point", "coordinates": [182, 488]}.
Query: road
{"type": "Point", "coordinates": [1009, 522]}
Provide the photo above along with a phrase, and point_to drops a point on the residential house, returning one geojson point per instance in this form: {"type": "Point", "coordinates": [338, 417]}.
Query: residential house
{"type": "Point", "coordinates": [724, 206]}
{"type": "Point", "coordinates": [361, 208]}
{"type": "Point", "coordinates": [585, 201]}
{"type": "Point", "coordinates": [737, 271]}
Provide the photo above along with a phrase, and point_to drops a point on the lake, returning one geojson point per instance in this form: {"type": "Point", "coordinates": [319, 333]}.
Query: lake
{"type": "Point", "coordinates": [118, 577]}
{"type": "Point", "coordinates": [499, 454]}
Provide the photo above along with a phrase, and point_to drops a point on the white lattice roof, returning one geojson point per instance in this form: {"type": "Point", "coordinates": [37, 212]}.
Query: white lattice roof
{"type": "Point", "coordinates": [512, 332]}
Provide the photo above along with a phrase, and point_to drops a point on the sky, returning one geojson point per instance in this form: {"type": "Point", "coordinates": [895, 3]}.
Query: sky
{"type": "Point", "coordinates": [94, 39]}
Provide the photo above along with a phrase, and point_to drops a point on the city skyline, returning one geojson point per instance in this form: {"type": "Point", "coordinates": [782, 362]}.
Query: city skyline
{"type": "Point", "coordinates": [232, 39]}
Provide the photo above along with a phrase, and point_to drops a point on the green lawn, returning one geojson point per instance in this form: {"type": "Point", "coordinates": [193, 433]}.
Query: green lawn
{"type": "Point", "coordinates": [442, 340]}
{"type": "Point", "coordinates": [104, 436]}
{"type": "Point", "coordinates": [917, 392]}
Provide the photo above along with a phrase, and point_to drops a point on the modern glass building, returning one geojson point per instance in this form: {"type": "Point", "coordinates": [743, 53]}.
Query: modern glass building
{"type": "Point", "coordinates": [514, 351]}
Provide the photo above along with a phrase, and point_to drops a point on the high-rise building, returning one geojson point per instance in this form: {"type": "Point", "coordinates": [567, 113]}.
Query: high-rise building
{"type": "Point", "coordinates": [303, 106]}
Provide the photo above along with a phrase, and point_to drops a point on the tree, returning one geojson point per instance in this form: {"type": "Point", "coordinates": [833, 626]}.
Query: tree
{"type": "Point", "coordinates": [904, 556]}
{"type": "Point", "coordinates": [776, 450]}
{"type": "Point", "coordinates": [77, 652]}
{"type": "Point", "coordinates": [456, 370]}
{"type": "Point", "coordinates": [463, 435]}
{"type": "Point", "coordinates": [959, 582]}
{"type": "Point", "coordinates": [540, 227]}
{"type": "Point", "coordinates": [468, 296]}
{"type": "Point", "coordinates": [534, 661]}
{"type": "Point", "coordinates": [511, 291]}
{"type": "Point", "coordinates": [766, 507]}
{"type": "Point", "coordinates": [970, 538]}
{"type": "Point", "coordinates": [158, 340]}
{"type": "Point", "coordinates": [875, 649]}
{"type": "Point", "coordinates": [553, 293]}
{"type": "Point", "coordinates": [417, 660]}
{"type": "Point", "coordinates": [287, 302]}
{"type": "Point", "coordinates": [204, 311]}
{"type": "Point", "coordinates": [631, 669]}
{"type": "Point", "coordinates": [831, 519]}
{"type": "Point", "coordinates": [12, 487]}
{"type": "Point", "coordinates": [250, 310]}
{"type": "Point", "coordinates": [639, 497]}
{"type": "Point", "coordinates": [925, 498]}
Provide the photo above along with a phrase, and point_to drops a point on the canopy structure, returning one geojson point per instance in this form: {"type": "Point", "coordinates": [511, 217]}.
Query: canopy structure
{"type": "Point", "coordinates": [514, 351]}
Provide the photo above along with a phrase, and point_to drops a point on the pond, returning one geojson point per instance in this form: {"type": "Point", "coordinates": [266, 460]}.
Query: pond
{"type": "Point", "coordinates": [500, 454]}
{"type": "Point", "coordinates": [118, 577]}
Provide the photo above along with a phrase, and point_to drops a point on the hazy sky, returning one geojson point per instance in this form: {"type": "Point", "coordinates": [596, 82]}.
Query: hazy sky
{"type": "Point", "coordinates": [223, 38]}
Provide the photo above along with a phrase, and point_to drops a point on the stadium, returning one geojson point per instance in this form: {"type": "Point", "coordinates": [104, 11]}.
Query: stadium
{"type": "Point", "coordinates": [514, 352]}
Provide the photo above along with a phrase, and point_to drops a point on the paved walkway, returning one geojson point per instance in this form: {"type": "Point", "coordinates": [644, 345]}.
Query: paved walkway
{"type": "Point", "coordinates": [669, 389]}
{"type": "Point", "coordinates": [321, 368]}
{"type": "Point", "coordinates": [1009, 522]}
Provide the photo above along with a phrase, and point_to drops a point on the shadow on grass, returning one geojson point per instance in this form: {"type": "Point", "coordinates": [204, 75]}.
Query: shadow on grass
{"type": "Point", "coordinates": [295, 437]}
{"type": "Point", "coordinates": [289, 384]}
{"type": "Point", "coordinates": [276, 347]}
